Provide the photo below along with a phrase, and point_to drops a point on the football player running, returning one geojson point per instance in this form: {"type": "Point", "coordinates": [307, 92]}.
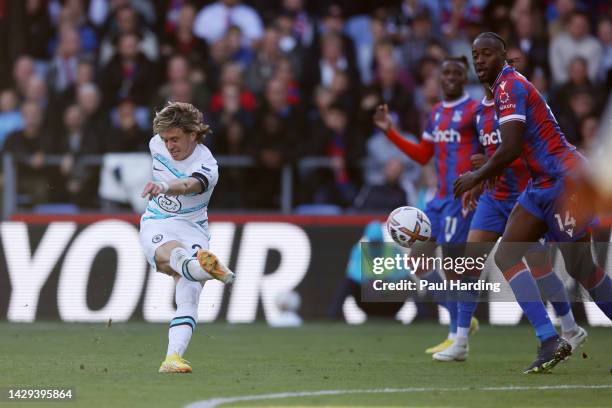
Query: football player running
{"type": "Point", "coordinates": [529, 129]}
{"type": "Point", "coordinates": [492, 212]}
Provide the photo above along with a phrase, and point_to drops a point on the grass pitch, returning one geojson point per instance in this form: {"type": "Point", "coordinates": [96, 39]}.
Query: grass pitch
{"type": "Point", "coordinates": [117, 366]}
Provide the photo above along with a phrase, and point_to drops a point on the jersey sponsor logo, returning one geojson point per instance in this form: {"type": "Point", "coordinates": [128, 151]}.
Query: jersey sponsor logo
{"type": "Point", "coordinates": [157, 238]}
{"type": "Point", "coordinates": [205, 168]}
{"type": "Point", "coordinates": [446, 136]}
{"type": "Point", "coordinates": [504, 97]}
{"type": "Point", "coordinates": [508, 106]}
{"type": "Point", "coordinates": [492, 138]}
{"type": "Point", "coordinates": [168, 203]}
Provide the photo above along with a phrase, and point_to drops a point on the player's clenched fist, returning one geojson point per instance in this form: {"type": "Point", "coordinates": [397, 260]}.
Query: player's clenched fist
{"type": "Point", "coordinates": [153, 188]}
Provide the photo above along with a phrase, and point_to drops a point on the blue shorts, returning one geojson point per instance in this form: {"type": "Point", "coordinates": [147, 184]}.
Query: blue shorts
{"type": "Point", "coordinates": [449, 224]}
{"type": "Point", "coordinates": [542, 203]}
{"type": "Point", "coordinates": [492, 214]}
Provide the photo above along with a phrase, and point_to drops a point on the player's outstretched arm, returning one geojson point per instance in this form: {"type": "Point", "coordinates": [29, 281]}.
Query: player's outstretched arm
{"type": "Point", "coordinates": [508, 151]}
{"type": "Point", "coordinates": [421, 153]}
{"type": "Point", "coordinates": [184, 186]}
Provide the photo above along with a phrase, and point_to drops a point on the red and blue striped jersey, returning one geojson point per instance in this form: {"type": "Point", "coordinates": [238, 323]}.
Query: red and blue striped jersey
{"type": "Point", "coordinates": [546, 152]}
{"type": "Point", "coordinates": [515, 177]}
{"type": "Point", "coordinates": [451, 130]}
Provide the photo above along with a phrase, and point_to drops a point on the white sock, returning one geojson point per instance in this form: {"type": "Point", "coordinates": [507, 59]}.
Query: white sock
{"type": "Point", "coordinates": [568, 324]}
{"type": "Point", "coordinates": [186, 266]}
{"type": "Point", "coordinates": [184, 322]}
{"type": "Point", "coordinates": [452, 335]}
{"type": "Point", "coordinates": [462, 335]}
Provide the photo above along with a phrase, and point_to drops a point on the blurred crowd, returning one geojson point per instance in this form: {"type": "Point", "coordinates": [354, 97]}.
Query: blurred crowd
{"type": "Point", "coordinates": [279, 81]}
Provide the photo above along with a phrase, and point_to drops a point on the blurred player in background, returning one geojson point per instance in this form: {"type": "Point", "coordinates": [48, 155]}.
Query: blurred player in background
{"type": "Point", "coordinates": [492, 212]}
{"type": "Point", "coordinates": [174, 228]}
{"type": "Point", "coordinates": [450, 137]}
{"type": "Point", "coordinates": [528, 127]}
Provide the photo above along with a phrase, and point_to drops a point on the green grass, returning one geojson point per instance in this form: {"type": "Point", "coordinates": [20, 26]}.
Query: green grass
{"type": "Point", "coordinates": [117, 366]}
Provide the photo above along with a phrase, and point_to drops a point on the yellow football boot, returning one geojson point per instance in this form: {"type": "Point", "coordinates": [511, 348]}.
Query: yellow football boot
{"type": "Point", "coordinates": [175, 364]}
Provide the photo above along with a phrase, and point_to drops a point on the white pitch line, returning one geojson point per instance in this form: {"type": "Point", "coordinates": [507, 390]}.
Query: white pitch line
{"type": "Point", "coordinates": [215, 402]}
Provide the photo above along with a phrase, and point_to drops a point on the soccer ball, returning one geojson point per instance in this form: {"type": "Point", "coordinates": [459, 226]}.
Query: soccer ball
{"type": "Point", "coordinates": [407, 225]}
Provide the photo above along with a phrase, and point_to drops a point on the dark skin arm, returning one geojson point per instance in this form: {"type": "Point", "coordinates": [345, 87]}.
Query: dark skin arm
{"type": "Point", "coordinates": [509, 150]}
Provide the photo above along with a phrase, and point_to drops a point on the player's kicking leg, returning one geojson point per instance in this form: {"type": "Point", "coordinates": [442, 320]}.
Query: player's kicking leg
{"type": "Point", "coordinates": [190, 274]}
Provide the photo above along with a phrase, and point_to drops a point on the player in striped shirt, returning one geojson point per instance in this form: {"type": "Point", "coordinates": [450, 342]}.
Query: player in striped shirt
{"type": "Point", "coordinates": [492, 212]}
{"type": "Point", "coordinates": [450, 138]}
{"type": "Point", "coordinates": [529, 129]}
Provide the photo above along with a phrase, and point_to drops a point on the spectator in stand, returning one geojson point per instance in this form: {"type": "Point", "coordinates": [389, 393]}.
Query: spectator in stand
{"type": "Point", "coordinates": [129, 75]}
{"type": "Point", "coordinates": [31, 143]}
{"type": "Point", "coordinates": [11, 119]}
{"type": "Point", "coordinates": [212, 22]}
{"type": "Point", "coordinates": [285, 24]}
{"type": "Point", "coordinates": [275, 136]}
{"type": "Point", "coordinates": [267, 56]}
{"type": "Point", "coordinates": [388, 90]}
{"type": "Point", "coordinates": [78, 180]}
{"type": "Point", "coordinates": [303, 22]}
{"type": "Point", "coordinates": [577, 80]}
{"type": "Point", "coordinates": [337, 140]}
{"type": "Point", "coordinates": [232, 77]}
{"type": "Point", "coordinates": [387, 172]}
{"type": "Point", "coordinates": [179, 38]}
{"type": "Point", "coordinates": [101, 12]}
{"type": "Point", "coordinates": [528, 38]}
{"type": "Point", "coordinates": [38, 29]}
{"type": "Point", "coordinates": [386, 196]}
{"type": "Point", "coordinates": [127, 136]}
{"type": "Point", "coordinates": [36, 91]}
{"type": "Point", "coordinates": [604, 34]}
{"type": "Point", "coordinates": [456, 16]}
{"type": "Point", "coordinates": [125, 21]}
{"type": "Point", "coordinates": [73, 14]}
{"type": "Point", "coordinates": [589, 126]}
{"type": "Point", "coordinates": [63, 68]}
{"type": "Point", "coordinates": [519, 59]}
{"type": "Point", "coordinates": [414, 47]}
{"type": "Point", "coordinates": [236, 50]}
{"type": "Point", "coordinates": [58, 102]}
{"type": "Point", "coordinates": [575, 42]}
{"type": "Point", "coordinates": [96, 122]}
{"type": "Point", "coordinates": [179, 73]}
{"type": "Point", "coordinates": [333, 59]}
{"type": "Point", "coordinates": [581, 104]}
{"type": "Point", "coordinates": [23, 69]}
{"type": "Point", "coordinates": [332, 23]}
{"type": "Point", "coordinates": [558, 15]}
{"type": "Point", "coordinates": [286, 73]}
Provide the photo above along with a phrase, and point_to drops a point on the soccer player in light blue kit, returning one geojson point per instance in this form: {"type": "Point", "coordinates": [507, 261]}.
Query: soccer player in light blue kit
{"type": "Point", "coordinates": [174, 228]}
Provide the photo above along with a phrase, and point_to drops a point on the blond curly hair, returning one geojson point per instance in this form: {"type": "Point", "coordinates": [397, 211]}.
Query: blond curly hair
{"type": "Point", "coordinates": [183, 116]}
